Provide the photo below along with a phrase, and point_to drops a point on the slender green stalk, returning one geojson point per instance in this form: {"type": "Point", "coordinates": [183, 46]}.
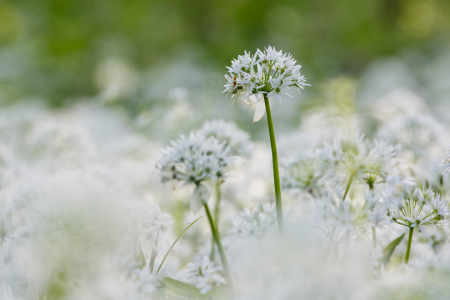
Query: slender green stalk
{"type": "Point", "coordinates": [374, 236]}
{"type": "Point", "coordinates": [408, 250]}
{"type": "Point", "coordinates": [151, 265]}
{"type": "Point", "coordinates": [168, 251]}
{"type": "Point", "coordinates": [276, 175]}
{"type": "Point", "coordinates": [216, 216]}
{"type": "Point", "coordinates": [349, 184]}
{"type": "Point", "coordinates": [223, 257]}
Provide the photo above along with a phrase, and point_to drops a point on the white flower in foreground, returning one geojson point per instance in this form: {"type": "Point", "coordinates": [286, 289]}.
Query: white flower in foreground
{"type": "Point", "coordinates": [230, 134]}
{"type": "Point", "coordinates": [193, 159]}
{"type": "Point", "coordinates": [205, 274]}
{"type": "Point", "coordinates": [267, 72]}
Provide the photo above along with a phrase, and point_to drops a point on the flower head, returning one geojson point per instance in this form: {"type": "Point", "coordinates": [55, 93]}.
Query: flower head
{"type": "Point", "coordinates": [204, 274]}
{"type": "Point", "coordinates": [421, 209]}
{"type": "Point", "coordinates": [193, 159]}
{"type": "Point", "coordinates": [257, 222]}
{"type": "Point", "coordinates": [267, 72]}
{"type": "Point", "coordinates": [230, 134]}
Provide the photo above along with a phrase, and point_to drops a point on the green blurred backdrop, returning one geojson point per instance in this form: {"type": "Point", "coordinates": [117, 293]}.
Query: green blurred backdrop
{"type": "Point", "coordinates": [50, 49]}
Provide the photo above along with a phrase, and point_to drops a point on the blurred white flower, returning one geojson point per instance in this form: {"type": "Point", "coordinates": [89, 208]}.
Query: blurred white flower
{"type": "Point", "coordinates": [237, 140]}
{"type": "Point", "coordinates": [255, 223]}
{"type": "Point", "coordinates": [204, 274]}
{"type": "Point", "coordinates": [193, 159]}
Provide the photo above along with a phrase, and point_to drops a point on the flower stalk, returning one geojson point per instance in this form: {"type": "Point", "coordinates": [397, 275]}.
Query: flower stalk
{"type": "Point", "coordinates": [276, 175]}
{"type": "Point", "coordinates": [216, 217]}
{"type": "Point", "coordinates": [408, 249]}
{"type": "Point", "coordinates": [223, 257]}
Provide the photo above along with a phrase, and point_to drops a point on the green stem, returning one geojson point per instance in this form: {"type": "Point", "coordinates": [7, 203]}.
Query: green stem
{"type": "Point", "coordinates": [348, 187]}
{"type": "Point", "coordinates": [216, 217]}
{"type": "Point", "coordinates": [151, 265]}
{"type": "Point", "coordinates": [408, 250]}
{"type": "Point", "coordinates": [276, 175]}
{"type": "Point", "coordinates": [223, 257]}
{"type": "Point", "coordinates": [374, 236]}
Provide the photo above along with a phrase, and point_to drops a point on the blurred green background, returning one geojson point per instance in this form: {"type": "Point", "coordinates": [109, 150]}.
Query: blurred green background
{"type": "Point", "coordinates": [51, 49]}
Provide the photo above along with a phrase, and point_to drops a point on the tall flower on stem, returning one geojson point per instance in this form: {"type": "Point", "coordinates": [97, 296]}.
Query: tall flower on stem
{"type": "Point", "coordinates": [417, 211]}
{"type": "Point", "coordinates": [194, 159]}
{"type": "Point", "coordinates": [254, 78]}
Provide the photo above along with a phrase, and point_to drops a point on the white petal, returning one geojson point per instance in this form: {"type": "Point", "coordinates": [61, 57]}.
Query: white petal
{"type": "Point", "coordinates": [259, 113]}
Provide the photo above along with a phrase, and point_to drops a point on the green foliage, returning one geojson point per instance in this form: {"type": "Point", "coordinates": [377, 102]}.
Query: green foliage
{"type": "Point", "coordinates": [66, 40]}
{"type": "Point", "coordinates": [387, 252]}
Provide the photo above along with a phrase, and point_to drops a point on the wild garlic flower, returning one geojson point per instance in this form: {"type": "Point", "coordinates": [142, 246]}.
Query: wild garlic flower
{"type": "Point", "coordinates": [267, 72]}
{"type": "Point", "coordinates": [193, 159]}
{"type": "Point", "coordinates": [255, 223]}
{"type": "Point", "coordinates": [419, 210]}
{"type": "Point", "coordinates": [204, 274]}
{"type": "Point", "coordinates": [357, 159]}
{"type": "Point", "coordinates": [230, 134]}
{"type": "Point", "coordinates": [299, 173]}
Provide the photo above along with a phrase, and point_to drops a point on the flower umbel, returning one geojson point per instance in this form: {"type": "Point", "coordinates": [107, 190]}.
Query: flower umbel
{"type": "Point", "coordinates": [193, 159]}
{"type": "Point", "coordinates": [267, 72]}
{"type": "Point", "coordinates": [205, 274]}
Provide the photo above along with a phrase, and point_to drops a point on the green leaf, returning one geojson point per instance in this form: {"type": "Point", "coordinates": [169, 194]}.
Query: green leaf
{"type": "Point", "coordinates": [153, 254]}
{"type": "Point", "coordinates": [176, 289]}
{"type": "Point", "coordinates": [387, 252]}
{"type": "Point", "coordinates": [168, 251]}
{"type": "Point", "coordinates": [141, 257]}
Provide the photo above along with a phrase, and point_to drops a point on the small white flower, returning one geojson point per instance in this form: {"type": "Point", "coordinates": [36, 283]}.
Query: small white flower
{"type": "Point", "coordinates": [204, 274]}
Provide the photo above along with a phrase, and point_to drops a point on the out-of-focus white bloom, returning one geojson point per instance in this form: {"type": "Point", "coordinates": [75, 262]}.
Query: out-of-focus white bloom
{"type": "Point", "coordinates": [267, 72]}
{"type": "Point", "coordinates": [204, 274]}
{"type": "Point", "coordinates": [255, 223]}
{"type": "Point", "coordinates": [299, 172]}
{"type": "Point", "coordinates": [423, 139]}
{"type": "Point", "coordinates": [227, 132]}
{"type": "Point", "coordinates": [145, 283]}
{"type": "Point", "coordinates": [193, 159]}
{"type": "Point", "coordinates": [356, 159]}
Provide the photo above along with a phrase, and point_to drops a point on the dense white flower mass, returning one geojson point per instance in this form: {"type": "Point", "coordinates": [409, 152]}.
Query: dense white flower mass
{"type": "Point", "coordinates": [84, 214]}
{"type": "Point", "coordinates": [267, 72]}
{"type": "Point", "coordinates": [195, 158]}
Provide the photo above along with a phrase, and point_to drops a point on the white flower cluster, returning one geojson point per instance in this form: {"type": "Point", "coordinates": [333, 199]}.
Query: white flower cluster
{"type": "Point", "coordinates": [267, 72]}
{"type": "Point", "coordinates": [421, 209]}
{"type": "Point", "coordinates": [255, 223]}
{"type": "Point", "coordinates": [345, 160]}
{"type": "Point", "coordinates": [230, 134]}
{"type": "Point", "coordinates": [195, 158]}
{"type": "Point", "coordinates": [203, 273]}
